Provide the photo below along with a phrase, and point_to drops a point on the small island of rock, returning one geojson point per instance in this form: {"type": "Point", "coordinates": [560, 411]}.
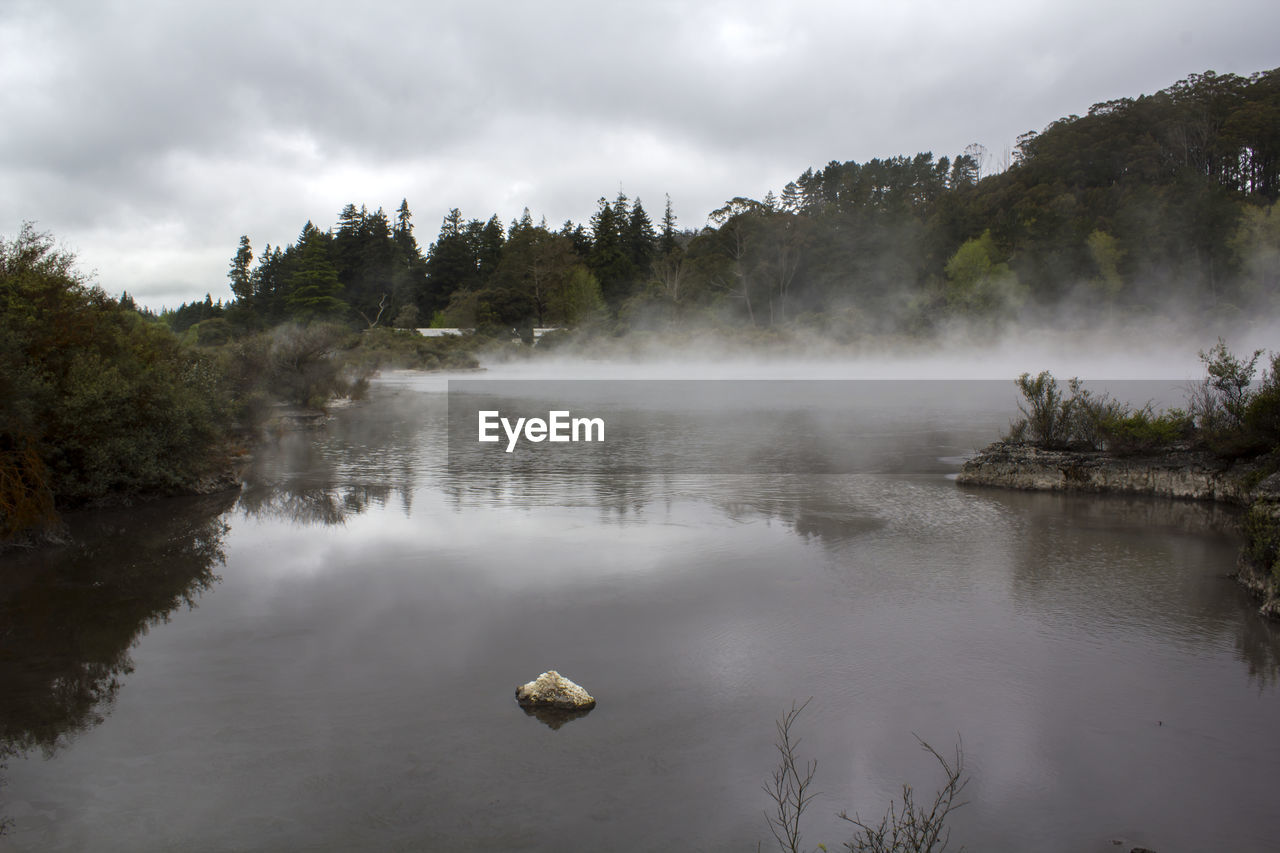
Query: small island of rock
{"type": "Point", "coordinates": [553, 690]}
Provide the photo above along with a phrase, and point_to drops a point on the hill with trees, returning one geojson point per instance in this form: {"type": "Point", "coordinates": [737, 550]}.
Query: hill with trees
{"type": "Point", "coordinates": [1163, 203]}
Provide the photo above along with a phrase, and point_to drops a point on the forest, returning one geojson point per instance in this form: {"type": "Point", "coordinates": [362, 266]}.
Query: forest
{"type": "Point", "coordinates": [1155, 205]}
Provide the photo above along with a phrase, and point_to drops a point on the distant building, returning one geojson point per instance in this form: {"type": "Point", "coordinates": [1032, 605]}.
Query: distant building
{"type": "Point", "coordinates": [442, 333]}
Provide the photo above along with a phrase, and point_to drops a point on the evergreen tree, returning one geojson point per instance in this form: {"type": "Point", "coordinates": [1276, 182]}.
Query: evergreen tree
{"type": "Point", "coordinates": [578, 236]}
{"type": "Point", "coordinates": [402, 234]}
{"type": "Point", "coordinates": [314, 289]}
{"type": "Point", "coordinates": [639, 239]}
{"type": "Point", "coordinates": [608, 259]}
{"type": "Point", "coordinates": [241, 279]}
{"type": "Point", "coordinates": [667, 242]}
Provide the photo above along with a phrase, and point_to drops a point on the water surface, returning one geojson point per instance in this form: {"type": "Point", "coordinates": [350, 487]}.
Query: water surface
{"type": "Point", "coordinates": [327, 661]}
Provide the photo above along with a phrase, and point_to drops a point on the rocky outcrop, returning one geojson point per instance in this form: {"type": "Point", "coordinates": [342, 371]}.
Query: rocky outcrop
{"type": "Point", "coordinates": [553, 690]}
{"type": "Point", "coordinates": [1178, 473]}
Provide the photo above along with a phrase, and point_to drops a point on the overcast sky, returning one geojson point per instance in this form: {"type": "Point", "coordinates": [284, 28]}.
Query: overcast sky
{"type": "Point", "coordinates": [148, 136]}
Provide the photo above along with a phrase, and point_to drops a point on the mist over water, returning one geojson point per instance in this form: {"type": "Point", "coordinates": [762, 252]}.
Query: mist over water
{"type": "Point", "coordinates": [365, 612]}
{"type": "Point", "coordinates": [1124, 350]}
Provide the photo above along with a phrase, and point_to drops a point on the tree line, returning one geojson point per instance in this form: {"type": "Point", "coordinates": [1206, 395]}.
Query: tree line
{"type": "Point", "coordinates": [1156, 204]}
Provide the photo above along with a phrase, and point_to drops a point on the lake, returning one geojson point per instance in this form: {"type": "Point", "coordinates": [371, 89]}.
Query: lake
{"type": "Point", "coordinates": [327, 660]}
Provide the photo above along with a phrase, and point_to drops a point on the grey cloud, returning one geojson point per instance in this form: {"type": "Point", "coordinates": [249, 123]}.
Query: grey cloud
{"type": "Point", "coordinates": [193, 123]}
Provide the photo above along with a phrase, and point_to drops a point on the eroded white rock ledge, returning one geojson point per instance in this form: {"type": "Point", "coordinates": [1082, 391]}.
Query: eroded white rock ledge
{"type": "Point", "coordinates": [1187, 474]}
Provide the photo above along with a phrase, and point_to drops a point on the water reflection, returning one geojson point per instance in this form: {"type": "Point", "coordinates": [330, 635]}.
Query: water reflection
{"type": "Point", "coordinates": [1257, 644]}
{"type": "Point", "coordinates": [554, 718]}
{"type": "Point", "coordinates": [297, 503]}
{"type": "Point", "coordinates": [1068, 547]}
{"type": "Point", "coordinates": [348, 685]}
{"type": "Point", "coordinates": [381, 454]}
{"type": "Point", "coordinates": [71, 614]}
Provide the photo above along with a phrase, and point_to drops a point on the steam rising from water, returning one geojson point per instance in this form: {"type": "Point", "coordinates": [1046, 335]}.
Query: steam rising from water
{"type": "Point", "coordinates": [1162, 351]}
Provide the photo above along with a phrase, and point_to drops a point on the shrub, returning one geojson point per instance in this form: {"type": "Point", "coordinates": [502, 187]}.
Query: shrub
{"type": "Point", "coordinates": [910, 826]}
{"type": "Point", "coordinates": [1225, 414]}
{"type": "Point", "coordinates": [1050, 419]}
{"type": "Point", "coordinates": [390, 348]}
{"type": "Point", "coordinates": [1045, 418]}
{"type": "Point", "coordinates": [907, 826]}
{"type": "Point", "coordinates": [95, 398]}
{"type": "Point", "coordinates": [1260, 421]}
{"type": "Point", "coordinates": [1232, 418]}
{"type": "Point", "coordinates": [1262, 539]}
{"type": "Point", "coordinates": [1220, 402]}
{"type": "Point", "coordinates": [556, 339]}
{"type": "Point", "coordinates": [1088, 414]}
{"type": "Point", "coordinates": [1142, 430]}
{"type": "Point", "coordinates": [303, 366]}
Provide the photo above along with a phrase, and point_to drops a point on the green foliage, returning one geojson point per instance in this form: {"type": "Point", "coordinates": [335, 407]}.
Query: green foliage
{"type": "Point", "coordinates": [556, 339]}
{"type": "Point", "coordinates": [1232, 417]}
{"type": "Point", "coordinates": [1261, 418]}
{"type": "Point", "coordinates": [1133, 208]}
{"type": "Point", "coordinates": [210, 333]}
{"type": "Point", "coordinates": [1226, 385]}
{"type": "Point", "coordinates": [94, 397]}
{"type": "Point", "coordinates": [1107, 256]}
{"type": "Point", "coordinates": [26, 502]}
{"type": "Point", "coordinates": [577, 299]}
{"type": "Point", "coordinates": [979, 285]}
{"type": "Point", "coordinates": [395, 348]}
{"type": "Point", "coordinates": [1256, 247]}
{"type": "Point", "coordinates": [315, 288]}
{"type": "Point", "coordinates": [1046, 416]}
{"type": "Point", "coordinates": [303, 367]}
{"type": "Point", "coordinates": [407, 317]}
{"type": "Point", "coordinates": [188, 314]}
{"type": "Point", "coordinates": [1082, 419]}
{"type": "Point", "coordinates": [1142, 430]}
{"type": "Point", "coordinates": [240, 273]}
{"type": "Point", "coordinates": [1262, 538]}
{"type": "Point", "coordinates": [1227, 413]}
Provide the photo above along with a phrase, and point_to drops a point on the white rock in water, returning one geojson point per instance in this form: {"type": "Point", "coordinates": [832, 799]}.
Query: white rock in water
{"type": "Point", "coordinates": [553, 690]}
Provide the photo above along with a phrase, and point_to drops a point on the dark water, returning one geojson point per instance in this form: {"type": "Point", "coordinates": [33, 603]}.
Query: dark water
{"type": "Point", "coordinates": [327, 661]}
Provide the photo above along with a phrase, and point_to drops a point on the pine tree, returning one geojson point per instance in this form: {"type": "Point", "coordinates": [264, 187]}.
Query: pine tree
{"type": "Point", "coordinates": [667, 242]}
{"type": "Point", "coordinates": [639, 239]}
{"type": "Point", "coordinates": [314, 289]}
{"type": "Point", "coordinates": [402, 236]}
{"type": "Point", "coordinates": [241, 280]}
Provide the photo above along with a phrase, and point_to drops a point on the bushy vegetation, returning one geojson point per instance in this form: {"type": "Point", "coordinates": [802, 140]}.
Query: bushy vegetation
{"type": "Point", "coordinates": [381, 348]}
{"type": "Point", "coordinates": [1236, 416]}
{"type": "Point", "coordinates": [1262, 539]}
{"type": "Point", "coordinates": [1228, 413]}
{"type": "Point", "coordinates": [99, 399]}
{"type": "Point", "coordinates": [95, 398]}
